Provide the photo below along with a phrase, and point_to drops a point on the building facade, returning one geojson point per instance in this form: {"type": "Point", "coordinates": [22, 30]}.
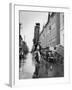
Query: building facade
{"type": "Point", "coordinates": [36, 33]}
{"type": "Point", "coordinates": [52, 33]}
{"type": "Point", "coordinates": [62, 29]}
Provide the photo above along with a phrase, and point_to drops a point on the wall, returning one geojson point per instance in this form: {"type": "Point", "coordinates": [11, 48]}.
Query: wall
{"type": "Point", "coordinates": [51, 32]}
{"type": "Point", "coordinates": [62, 29]}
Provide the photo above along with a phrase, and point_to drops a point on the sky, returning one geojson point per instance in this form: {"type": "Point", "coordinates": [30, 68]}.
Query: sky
{"type": "Point", "coordinates": [28, 20]}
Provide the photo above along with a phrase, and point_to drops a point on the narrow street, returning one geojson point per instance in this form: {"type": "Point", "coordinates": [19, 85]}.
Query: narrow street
{"type": "Point", "coordinates": [27, 69]}
{"type": "Point", "coordinates": [41, 45]}
{"type": "Point", "coordinates": [46, 69]}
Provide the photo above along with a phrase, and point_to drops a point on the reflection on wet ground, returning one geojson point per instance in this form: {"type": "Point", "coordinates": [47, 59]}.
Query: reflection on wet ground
{"type": "Point", "coordinates": [46, 69]}
{"type": "Point", "coordinates": [27, 68]}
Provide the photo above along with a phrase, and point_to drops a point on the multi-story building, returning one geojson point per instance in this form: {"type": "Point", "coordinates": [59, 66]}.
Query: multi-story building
{"type": "Point", "coordinates": [36, 33]}
{"type": "Point", "coordinates": [62, 29]}
{"type": "Point", "coordinates": [52, 32]}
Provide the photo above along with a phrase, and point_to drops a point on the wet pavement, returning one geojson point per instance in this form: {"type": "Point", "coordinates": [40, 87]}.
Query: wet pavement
{"type": "Point", "coordinates": [46, 69]}
{"type": "Point", "coordinates": [27, 68]}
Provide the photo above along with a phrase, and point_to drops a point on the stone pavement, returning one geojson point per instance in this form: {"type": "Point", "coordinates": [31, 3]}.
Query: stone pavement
{"type": "Point", "coordinates": [27, 68]}
{"type": "Point", "coordinates": [46, 69]}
